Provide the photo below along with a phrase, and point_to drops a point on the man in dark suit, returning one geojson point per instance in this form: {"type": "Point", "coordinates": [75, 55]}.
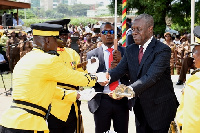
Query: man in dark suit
{"type": "Point", "coordinates": [102, 105]}
{"type": "Point", "coordinates": [147, 62]}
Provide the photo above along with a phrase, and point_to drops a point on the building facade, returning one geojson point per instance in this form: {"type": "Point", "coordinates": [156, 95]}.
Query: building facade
{"type": "Point", "coordinates": [48, 4]}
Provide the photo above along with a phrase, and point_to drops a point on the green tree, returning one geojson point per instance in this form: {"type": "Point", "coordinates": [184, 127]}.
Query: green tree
{"type": "Point", "coordinates": [197, 13]}
{"type": "Point", "coordinates": [51, 13]}
{"type": "Point", "coordinates": [63, 9]}
{"type": "Point", "coordinates": [157, 8]}
{"type": "Point", "coordinates": [179, 12]}
{"type": "Point", "coordinates": [80, 9]}
{"type": "Point", "coordinates": [22, 12]}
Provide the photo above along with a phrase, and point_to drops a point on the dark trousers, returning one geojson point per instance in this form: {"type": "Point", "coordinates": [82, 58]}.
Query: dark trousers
{"type": "Point", "coordinates": [57, 126]}
{"type": "Point", "coordinates": [117, 110]}
{"type": "Point", "coordinates": [142, 125]}
{"type": "Point", "coordinates": [11, 130]}
{"type": "Point", "coordinates": [187, 64]}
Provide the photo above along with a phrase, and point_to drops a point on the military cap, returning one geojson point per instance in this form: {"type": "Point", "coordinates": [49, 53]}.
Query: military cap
{"type": "Point", "coordinates": [45, 29]}
{"type": "Point", "coordinates": [196, 32]}
{"type": "Point", "coordinates": [62, 22]}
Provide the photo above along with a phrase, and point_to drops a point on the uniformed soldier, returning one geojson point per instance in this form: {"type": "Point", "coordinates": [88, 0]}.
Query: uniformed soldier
{"type": "Point", "coordinates": [3, 41]}
{"type": "Point", "coordinates": [188, 112]}
{"type": "Point", "coordinates": [24, 44]}
{"type": "Point", "coordinates": [13, 50]}
{"type": "Point", "coordinates": [181, 52]}
{"type": "Point", "coordinates": [86, 47]}
{"type": "Point", "coordinates": [168, 41]}
{"type": "Point", "coordinates": [65, 116]}
{"type": "Point", "coordinates": [35, 79]}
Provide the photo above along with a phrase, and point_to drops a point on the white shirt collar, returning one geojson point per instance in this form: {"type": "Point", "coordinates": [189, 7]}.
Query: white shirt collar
{"type": "Point", "coordinates": [105, 47]}
{"type": "Point", "coordinates": [146, 44]}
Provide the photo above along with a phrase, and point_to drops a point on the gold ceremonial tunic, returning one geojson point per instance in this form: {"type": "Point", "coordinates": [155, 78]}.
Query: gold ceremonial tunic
{"type": "Point", "coordinates": [61, 107]}
{"type": "Point", "coordinates": [188, 113]}
{"type": "Point", "coordinates": [35, 79]}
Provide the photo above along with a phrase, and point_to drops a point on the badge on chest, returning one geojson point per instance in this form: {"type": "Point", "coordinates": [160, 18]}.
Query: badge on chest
{"type": "Point", "coordinates": [73, 65]}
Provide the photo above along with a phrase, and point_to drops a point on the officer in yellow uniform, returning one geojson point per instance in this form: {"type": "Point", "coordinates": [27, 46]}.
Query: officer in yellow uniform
{"type": "Point", "coordinates": [35, 79]}
{"type": "Point", "coordinates": [188, 113]}
{"type": "Point", "coordinates": [65, 116]}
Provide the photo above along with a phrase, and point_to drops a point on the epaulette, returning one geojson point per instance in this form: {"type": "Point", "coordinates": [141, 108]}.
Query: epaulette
{"type": "Point", "coordinates": [53, 52]}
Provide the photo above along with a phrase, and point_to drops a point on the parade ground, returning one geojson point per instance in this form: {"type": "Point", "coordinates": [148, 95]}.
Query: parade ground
{"type": "Point", "coordinates": [88, 121]}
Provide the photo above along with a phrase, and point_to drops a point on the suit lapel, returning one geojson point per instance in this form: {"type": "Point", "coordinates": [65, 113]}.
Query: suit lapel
{"type": "Point", "coordinates": [147, 53]}
{"type": "Point", "coordinates": [100, 56]}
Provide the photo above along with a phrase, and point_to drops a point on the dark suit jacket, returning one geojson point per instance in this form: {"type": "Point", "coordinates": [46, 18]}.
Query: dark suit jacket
{"type": "Point", "coordinates": [98, 52]}
{"type": "Point", "coordinates": [151, 82]}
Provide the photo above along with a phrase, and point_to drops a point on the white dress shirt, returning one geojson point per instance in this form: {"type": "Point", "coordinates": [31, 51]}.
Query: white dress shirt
{"type": "Point", "coordinates": [146, 44]}
{"type": "Point", "coordinates": [106, 59]}
{"type": "Point", "coordinates": [1, 58]}
{"type": "Point", "coordinates": [20, 22]}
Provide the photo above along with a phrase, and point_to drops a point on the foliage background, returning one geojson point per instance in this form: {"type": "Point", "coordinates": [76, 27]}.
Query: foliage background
{"type": "Point", "coordinates": [178, 10]}
{"type": "Point", "coordinates": [76, 13]}
{"type": "Point", "coordinates": [74, 21]}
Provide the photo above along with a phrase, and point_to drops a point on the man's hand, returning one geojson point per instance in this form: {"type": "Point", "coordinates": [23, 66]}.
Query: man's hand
{"type": "Point", "coordinates": [111, 95]}
{"type": "Point", "coordinates": [117, 56]}
{"type": "Point", "coordinates": [92, 66]}
{"type": "Point", "coordinates": [114, 63]}
{"type": "Point", "coordinates": [105, 78]}
{"type": "Point", "coordinates": [116, 59]}
{"type": "Point", "coordinates": [78, 96]}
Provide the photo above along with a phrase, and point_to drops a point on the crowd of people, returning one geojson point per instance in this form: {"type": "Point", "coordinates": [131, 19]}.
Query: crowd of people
{"type": "Point", "coordinates": [47, 77]}
{"type": "Point", "coordinates": [14, 45]}
{"type": "Point", "coordinates": [180, 54]}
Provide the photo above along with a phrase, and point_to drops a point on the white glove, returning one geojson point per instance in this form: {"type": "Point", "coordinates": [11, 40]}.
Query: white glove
{"type": "Point", "coordinates": [87, 94]}
{"type": "Point", "coordinates": [92, 67]}
{"type": "Point", "coordinates": [101, 77]}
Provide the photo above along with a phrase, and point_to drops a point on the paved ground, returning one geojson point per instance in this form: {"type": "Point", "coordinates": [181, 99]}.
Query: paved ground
{"type": "Point", "coordinates": [88, 120]}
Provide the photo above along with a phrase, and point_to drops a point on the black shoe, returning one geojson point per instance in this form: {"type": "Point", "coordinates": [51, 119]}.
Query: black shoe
{"type": "Point", "coordinates": [179, 82]}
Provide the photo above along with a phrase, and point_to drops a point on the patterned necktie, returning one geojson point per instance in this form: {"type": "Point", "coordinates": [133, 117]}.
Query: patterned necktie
{"type": "Point", "coordinates": [113, 85]}
{"type": "Point", "coordinates": [140, 54]}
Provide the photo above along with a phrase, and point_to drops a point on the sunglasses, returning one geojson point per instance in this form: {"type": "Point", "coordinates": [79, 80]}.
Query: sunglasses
{"type": "Point", "coordinates": [105, 32]}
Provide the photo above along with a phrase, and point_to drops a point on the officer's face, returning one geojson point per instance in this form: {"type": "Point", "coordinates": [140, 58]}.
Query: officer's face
{"type": "Point", "coordinates": [64, 37]}
{"type": "Point", "coordinates": [50, 44]}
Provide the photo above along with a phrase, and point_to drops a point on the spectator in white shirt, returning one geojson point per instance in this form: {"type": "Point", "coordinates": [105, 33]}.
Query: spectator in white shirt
{"type": "Point", "coordinates": [15, 18]}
